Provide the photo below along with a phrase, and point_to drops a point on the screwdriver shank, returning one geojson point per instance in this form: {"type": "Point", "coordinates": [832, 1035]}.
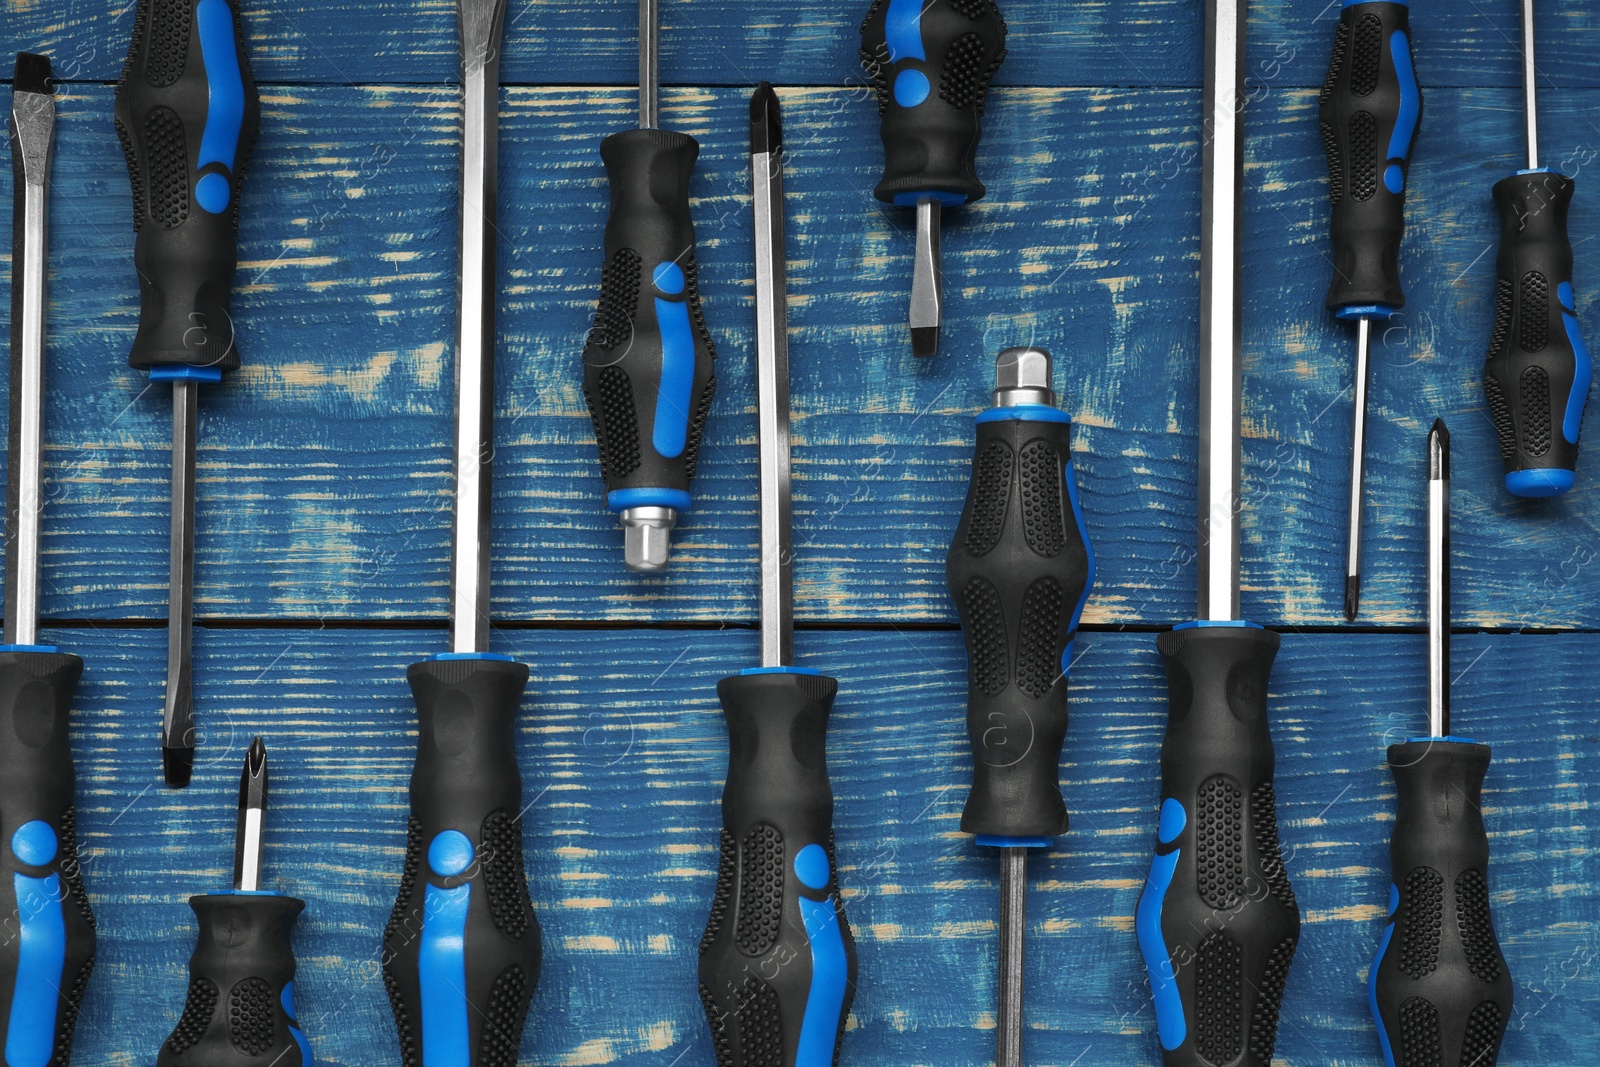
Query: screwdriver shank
{"type": "Point", "coordinates": [649, 60]}
{"type": "Point", "coordinates": [1439, 580]}
{"type": "Point", "coordinates": [1530, 89]}
{"type": "Point", "coordinates": [1358, 471]}
{"type": "Point", "coordinates": [177, 717]}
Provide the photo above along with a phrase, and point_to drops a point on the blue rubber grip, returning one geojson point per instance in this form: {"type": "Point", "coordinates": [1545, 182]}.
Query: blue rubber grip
{"type": "Point", "coordinates": [219, 138]}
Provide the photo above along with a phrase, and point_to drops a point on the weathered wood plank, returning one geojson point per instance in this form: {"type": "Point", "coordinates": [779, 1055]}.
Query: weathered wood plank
{"type": "Point", "coordinates": [623, 751]}
{"type": "Point", "coordinates": [325, 462]}
{"type": "Point", "coordinates": [810, 42]}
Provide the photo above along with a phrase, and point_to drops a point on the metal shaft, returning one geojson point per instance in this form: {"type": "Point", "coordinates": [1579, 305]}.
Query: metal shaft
{"type": "Point", "coordinates": [772, 379]}
{"type": "Point", "coordinates": [927, 281]}
{"type": "Point", "coordinates": [1220, 238]}
{"type": "Point", "coordinates": [1358, 472]}
{"type": "Point", "coordinates": [1013, 927]}
{"type": "Point", "coordinates": [177, 717]}
{"type": "Point", "coordinates": [1439, 580]}
{"type": "Point", "coordinates": [33, 124]}
{"type": "Point", "coordinates": [649, 65]}
{"type": "Point", "coordinates": [480, 24]}
{"type": "Point", "coordinates": [252, 818]}
{"type": "Point", "coordinates": [1530, 105]}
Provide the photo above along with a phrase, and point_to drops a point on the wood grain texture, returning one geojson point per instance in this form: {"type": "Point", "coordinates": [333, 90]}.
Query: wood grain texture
{"type": "Point", "coordinates": [809, 42]}
{"type": "Point", "coordinates": [324, 464]}
{"type": "Point", "coordinates": [623, 750]}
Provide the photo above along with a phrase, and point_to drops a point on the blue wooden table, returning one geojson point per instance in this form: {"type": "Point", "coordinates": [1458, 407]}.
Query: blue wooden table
{"type": "Point", "coordinates": [325, 477]}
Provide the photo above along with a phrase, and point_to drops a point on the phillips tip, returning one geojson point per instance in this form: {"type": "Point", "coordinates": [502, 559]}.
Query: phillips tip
{"type": "Point", "coordinates": [32, 75]}
{"type": "Point", "coordinates": [1352, 597]}
{"type": "Point", "coordinates": [252, 814]}
{"type": "Point", "coordinates": [1438, 452]}
{"type": "Point", "coordinates": [766, 121]}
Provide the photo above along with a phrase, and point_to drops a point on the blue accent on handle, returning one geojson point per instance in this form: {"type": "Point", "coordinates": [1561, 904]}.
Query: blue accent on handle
{"type": "Point", "coordinates": [811, 867]}
{"type": "Point", "coordinates": [497, 657]}
{"type": "Point", "coordinates": [1025, 413]}
{"type": "Point", "coordinates": [450, 853]}
{"type": "Point", "coordinates": [219, 143]}
{"type": "Point", "coordinates": [1206, 624]}
{"type": "Point", "coordinates": [41, 956]}
{"type": "Point", "coordinates": [1536, 170]}
{"type": "Point", "coordinates": [782, 670]}
{"type": "Point", "coordinates": [442, 970]}
{"type": "Point", "coordinates": [671, 431]}
{"type": "Point", "coordinates": [30, 648]}
{"type": "Point", "coordinates": [1452, 739]}
{"type": "Point", "coordinates": [1173, 820]}
{"type": "Point", "coordinates": [902, 30]}
{"type": "Point", "coordinates": [212, 193]}
{"type": "Point", "coordinates": [948, 199]}
{"type": "Point", "coordinates": [186, 372]}
{"type": "Point", "coordinates": [1405, 123]}
{"type": "Point", "coordinates": [668, 277]}
{"type": "Point", "coordinates": [911, 87]}
{"type": "Point", "coordinates": [1351, 312]}
{"type": "Point", "coordinates": [287, 999]}
{"type": "Point", "coordinates": [1537, 484]}
{"type": "Point", "coordinates": [247, 893]}
{"type": "Point", "coordinates": [623, 499]}
{"type": "Point", "coordinates": [1066, 651]}
{"type": "Point", "coordinates": [1001, 841]}
{"type": "Point", "coordinates": [1358, 3]}
{"type": "Point", "coordinates": [1171, 1026]}
{"type": "Point", "coordinates": [1582, 366]}
{"type": "Point", "coordinates": [1088, 548]}
{"type": "Point", "coordinates": [35, 843]}
{"type": "Point", "coordinates": [1394, 178]}
{"type": "Point", "coordinates": [825, 1003]}
{"type": "Point", "coordinates": [1372, 978]}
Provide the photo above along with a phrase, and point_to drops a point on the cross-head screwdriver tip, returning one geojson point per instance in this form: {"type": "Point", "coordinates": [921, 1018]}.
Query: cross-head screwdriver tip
{"type": "Point", "coordinates": [1352, 597]}
{"type": "Point", "coordinates": [32, 74]}
{"type": "Point", "coordinates": [1438, 451]}
{"type": "Point", "coordinates": [766, 121]}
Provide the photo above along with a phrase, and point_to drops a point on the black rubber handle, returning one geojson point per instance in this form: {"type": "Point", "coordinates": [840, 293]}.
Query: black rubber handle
{"type": "Point", "coordinates": [931, 62]}
{"type": "Point", "coordinates": [1441, 991]}
{"type": "Point", "coordinates": [187, 114]}
{"type": "Point", "coordinates": [1536, 378]}
{"type": "Point", "coordinates": [47, 941]}
{"type": "Point", "coordinates": [462, 948]}
{"type": "Point", "coordinates": [1217, 920]}
{"type": "Point", "coordinates": [240, 1008]}
{"type": "Point", "coordinates": [648, 365]}
{"type": "Point", "coordinates": [1371, 106]}
{"type": "Point", "coordinates": [1018, 570]}
{"type": "Point", "coordinates": [777, 961]}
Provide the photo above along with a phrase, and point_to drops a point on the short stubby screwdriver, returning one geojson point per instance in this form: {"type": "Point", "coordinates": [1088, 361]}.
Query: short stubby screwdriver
{"type": "Point", "coordinates": [240, 1009]}
{"type": "Point", "coordinates": [1439, 989]}
{"type": "Point", "coordinates": [1370, 108]}
{"type": "Point", "coordinates": [187, 113]}
{"type": "Point", "coordinates": [1537, 375]}
{"type": "Point", "coordinates": [47, 941]}
{"type": "Point", "coordinates": [931, 62]}
{"type": "Point", "coordinates": [1019, 570]}
{"type": "Point", "coordinates": [649, 362]}
{"type": "Point", "coordinates": [777, 961]}
{"type": "Point", "coordinates": [1217, 921]}
{"type": "Point", "coordinates": [462, 948]}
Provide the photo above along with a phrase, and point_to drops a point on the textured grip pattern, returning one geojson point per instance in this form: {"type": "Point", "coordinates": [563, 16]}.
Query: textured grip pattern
{"type": "Point", "coordinates": [1441, 994]}
{"type": "Point", "coordinates": [1537, 374]}
{"type": "Point", "coordinates": [240, 1007]}
{"type": "Point", "coordinates": [187, 114]}
{"type": "Point", "coordinates": [1370, 108]}
{"type": "Point", "coordinates": [649, 361]}
{"type": "Point", "coordinates": [1019, 570]}
{"type": "Point", "coordinates": [462, 948]}
{"type": "Point", "coordinates": [1217, 921]}
{"type": "Point", "coordinates": [930, 63]}
{"type": "Point", "coordinates": [777, 961]}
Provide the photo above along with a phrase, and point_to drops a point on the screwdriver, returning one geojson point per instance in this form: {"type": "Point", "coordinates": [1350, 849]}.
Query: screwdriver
{"type": "Point", "coordinates": [1439, 989]}
{"type": "Point", "coordinates": [930, 62]}
{"type": "Point", "coordinates": [777, 961]}
{"type": "Point", "coordinates": [48, 948]}
{"type": "Point", "coordinates": [1217, 921]}
{"type": "Point", "coordinates": [1370, 104]}
{"type": "Point", "coordinates": [186, 113]}
{"type": "Point", "coordinates": [462, 949]}
{"type": "Point", "coordinates": [648, 373]}
{"type": "Point", "coordinates": [1019, 571]}
{"type": "Point", "coordinates": [1536, 378]}
{"type": "Point", "coordinates": [240, 1008]}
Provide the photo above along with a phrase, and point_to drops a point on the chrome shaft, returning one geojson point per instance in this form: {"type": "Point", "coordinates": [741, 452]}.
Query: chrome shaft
{"type": "Point", "coordinates": [927, 281]}
{"type": "Point", "coordinates": [177, 716]}
{"type": "Point", "coordinates": [252, 819]}
{"type": "Point", "coordinates": [1358, 472]}
{"type": "Point", "coordinates": [1439, 580]}
{"type": "Point", "coordinates": [649, 65]}
{"type": "Point", "coordinates": [1530, 105]}
{"type": "Point", "coordinates": [1013, 927]}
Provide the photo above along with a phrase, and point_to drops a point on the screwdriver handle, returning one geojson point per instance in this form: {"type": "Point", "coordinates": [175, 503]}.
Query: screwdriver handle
{"type": "Point", "coordinates": [1217, 920]}
{"type": "Point", "coordinates": [648, 371]}
{"type": "Point", "coordinates": [1019, 571]}
{"type": "Point", "coordinates": [1439, 988]}
{"type": "Point", "coordinates": [1370, 108]}
{"type": "Point", "coordinates": [777, 961]}
{"type": "Point", "coordinates": [1537, 375]}
{"type": "Point", "coordinates": [930, 62]}
{"type": "Point", "coordinates": [462, 947]}
{"type": "Point", "coordinates": [47, 943]}
{"type": "Point", "coordinates": [186, 113]}
{"type": "Point", "coordinates": [240, 1007]}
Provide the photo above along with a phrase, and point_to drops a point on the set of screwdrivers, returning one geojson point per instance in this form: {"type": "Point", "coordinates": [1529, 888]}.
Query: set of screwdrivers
{"type": "Point", "coordinates": [1217, 922]}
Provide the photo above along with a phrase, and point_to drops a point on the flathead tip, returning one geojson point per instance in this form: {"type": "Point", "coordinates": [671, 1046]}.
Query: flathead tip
{"type": "Point", "coordinates": [924, 340]}
{"type": "Point", "coordinates": [1352, 597]}
{"type": "Point", "coordinates": [32, 74]}
{"type": "Point", "coordinates": [766, 121]}
{"type": "Point", "coordinates": [177, 766]}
